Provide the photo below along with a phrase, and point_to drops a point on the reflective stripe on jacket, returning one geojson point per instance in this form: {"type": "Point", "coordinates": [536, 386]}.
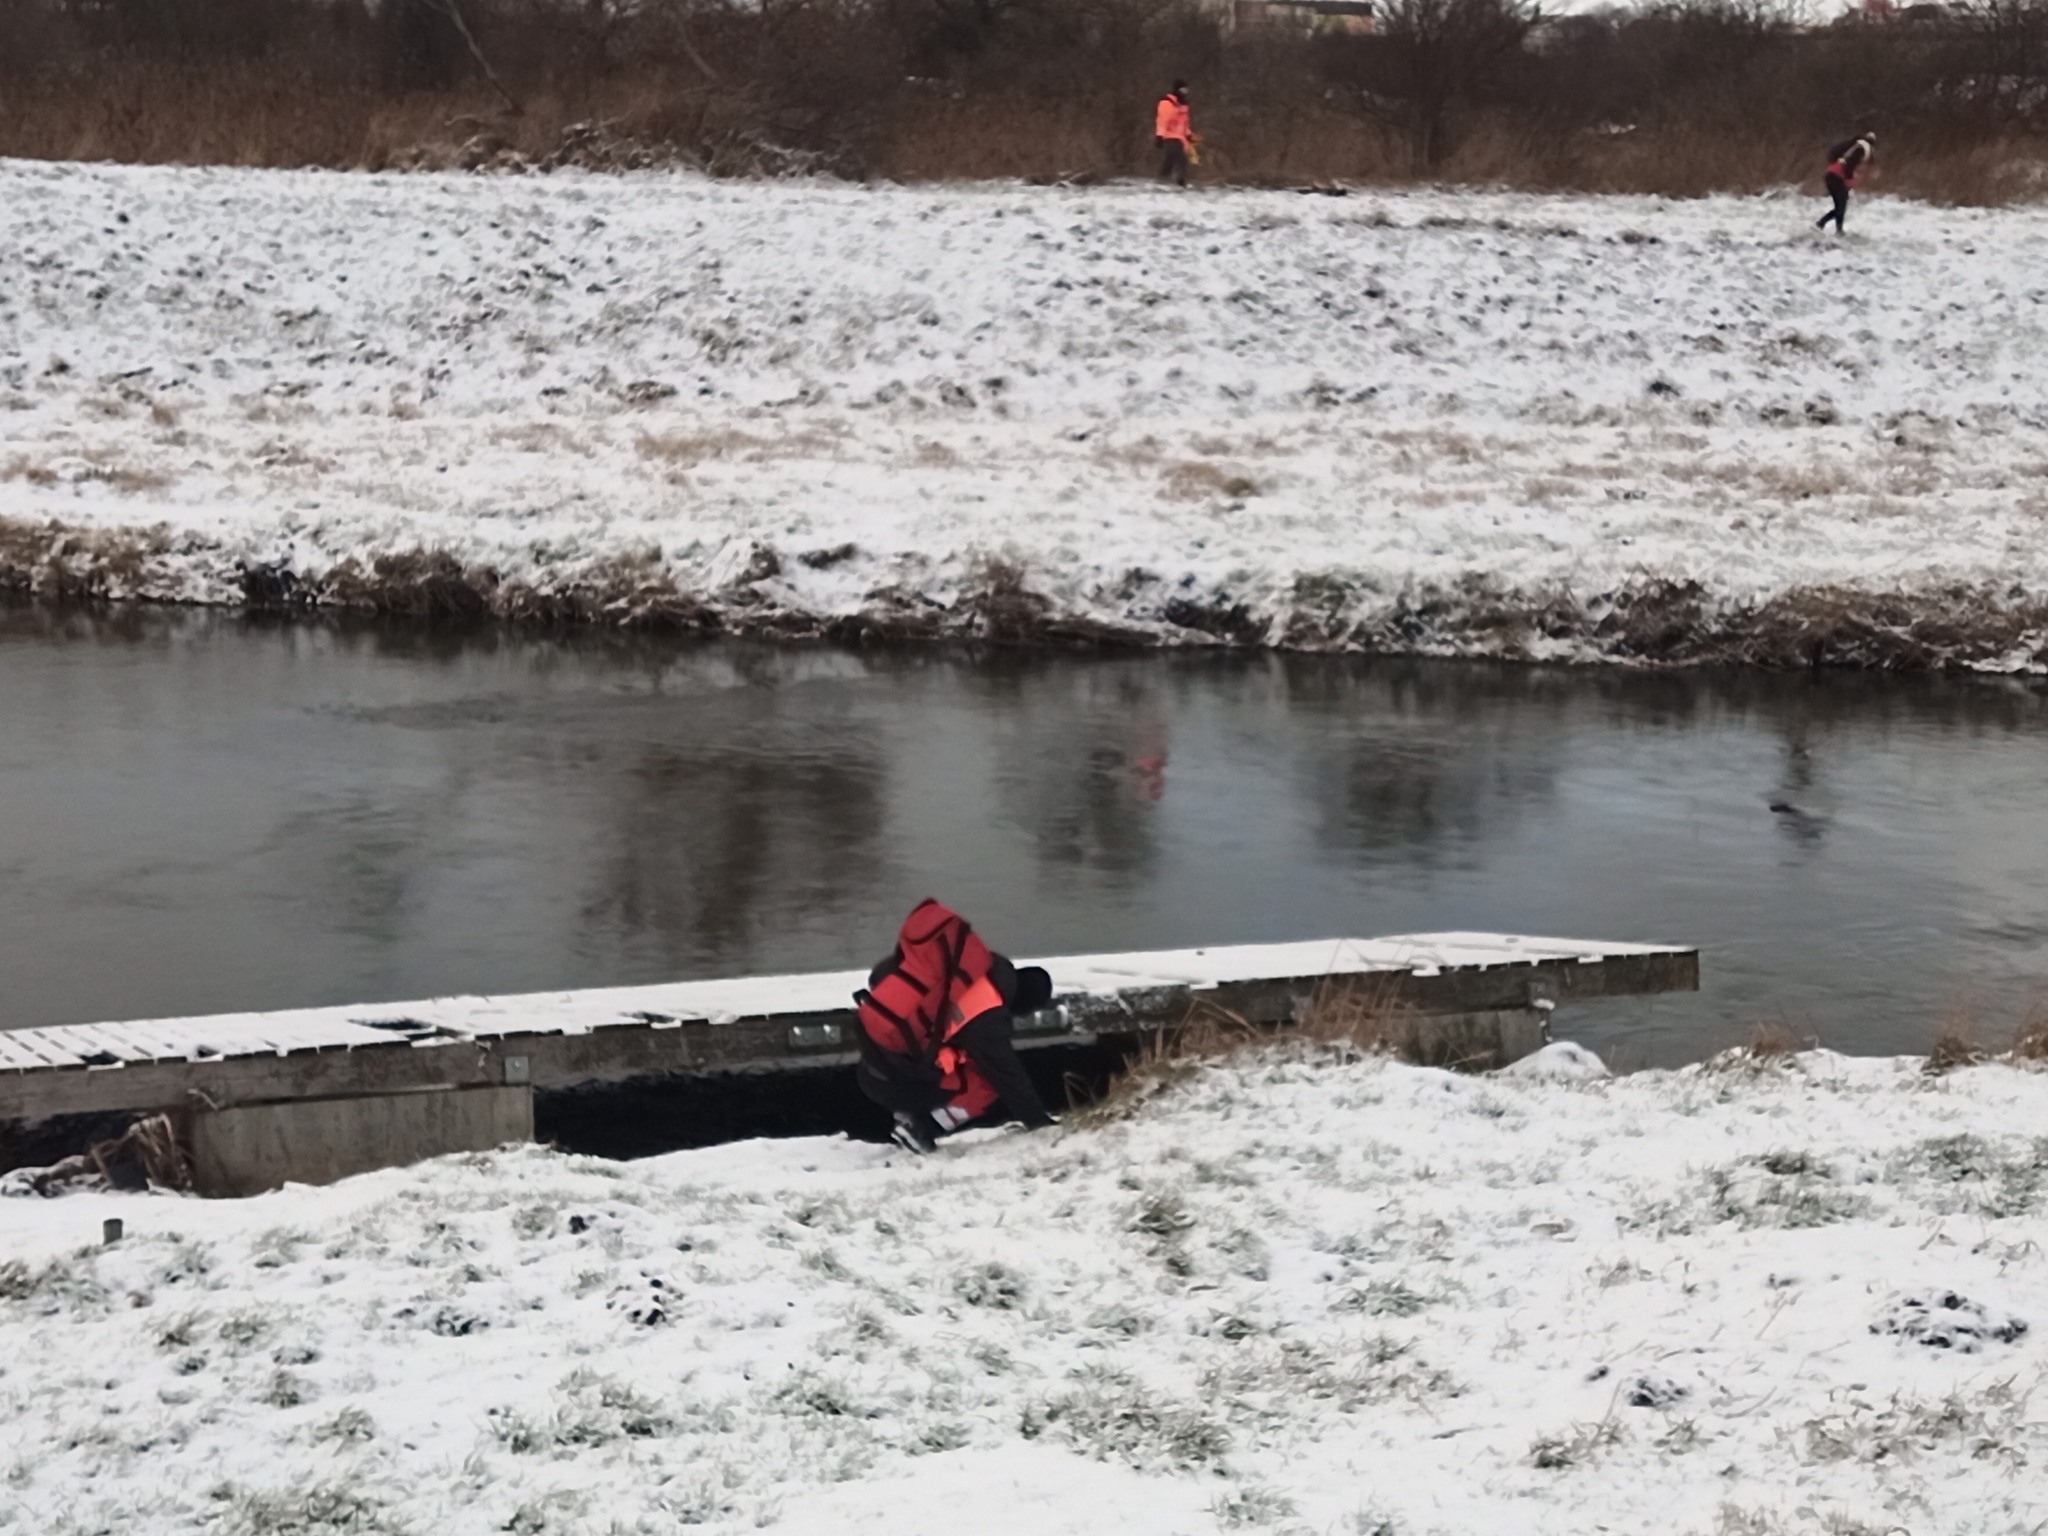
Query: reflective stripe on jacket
{"type": "Point", "coordinates": [963, 1010]}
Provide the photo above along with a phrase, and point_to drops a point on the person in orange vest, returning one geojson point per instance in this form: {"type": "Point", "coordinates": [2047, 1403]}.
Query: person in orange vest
{"type": "Point", "coordinates": [1844, 161]}
{"type": "Point", "coordinates": [1171, 132]}
{"type": "Point", "coordinates": [936, 1023]}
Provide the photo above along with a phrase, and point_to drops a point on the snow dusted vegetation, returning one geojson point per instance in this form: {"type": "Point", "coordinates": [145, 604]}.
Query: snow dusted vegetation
{"type": "Point", "coordinates": [1287, 1292]}
{"type": "Point", "coordinates": [1443, 421]}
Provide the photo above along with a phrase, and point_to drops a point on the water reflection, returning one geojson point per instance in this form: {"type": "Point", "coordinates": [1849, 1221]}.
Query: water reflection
{"type": "Point", "coordinates": [199, 812]}
{"type": "Point", "coordinates": [1078, 763]}
{"type": "Point", "coordinates": [705, 848]}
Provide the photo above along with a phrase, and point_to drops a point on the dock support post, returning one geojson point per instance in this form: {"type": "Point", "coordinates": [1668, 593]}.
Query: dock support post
{"type": "Point", "coordinates": [250, 1148]}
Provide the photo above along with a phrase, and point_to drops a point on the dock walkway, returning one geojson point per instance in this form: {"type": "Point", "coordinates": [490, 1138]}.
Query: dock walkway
{"type": "Point", "coordinates": [564, 1040]}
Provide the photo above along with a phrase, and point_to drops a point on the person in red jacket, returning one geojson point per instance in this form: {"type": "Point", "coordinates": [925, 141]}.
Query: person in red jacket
{"type": "Point", "coordinates": [1844, 161]}
{"type": "Point", "coordinates": [1171, 132]}
{"type": "Point", "coordinates": [936, 1020]}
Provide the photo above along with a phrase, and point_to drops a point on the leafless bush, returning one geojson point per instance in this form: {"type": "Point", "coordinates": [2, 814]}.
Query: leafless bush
{"type": "Point", "coordinates": [1955, 1044]}
{"type": "Point", "coordinates": [2030, 1040]}
{"type": "Point", "coordinates": [1429, 58]}
{"type": "Point", "coordinates": [1673, 96]}
{"type": "Point", "coordinates": [1341, 1014]}
{"type": "Point", "coordinates": [1771, 1040]}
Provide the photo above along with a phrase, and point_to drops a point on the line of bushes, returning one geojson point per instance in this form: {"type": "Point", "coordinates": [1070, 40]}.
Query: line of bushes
{"type": "Point", "coordinates": [1678, 96]}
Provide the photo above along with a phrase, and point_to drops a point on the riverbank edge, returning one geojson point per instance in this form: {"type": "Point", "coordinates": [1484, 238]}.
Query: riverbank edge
{"type": "Point", "coordinates": [1696, 1292]}
{"type": "Point", "coordinates": [1654, 621]}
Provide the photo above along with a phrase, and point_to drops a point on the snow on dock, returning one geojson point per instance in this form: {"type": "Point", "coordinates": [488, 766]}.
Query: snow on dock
{"type": "Point", "coordinates": [555, 1040]}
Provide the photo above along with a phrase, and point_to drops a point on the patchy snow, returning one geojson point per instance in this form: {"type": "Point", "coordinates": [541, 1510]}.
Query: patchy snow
{"type": "Point", "coordinates": [1291, 1293]}
{"type": "Point", "coordinates": [1446, 420]}
{"type": "Point", "coordinates": [1560, 1061]}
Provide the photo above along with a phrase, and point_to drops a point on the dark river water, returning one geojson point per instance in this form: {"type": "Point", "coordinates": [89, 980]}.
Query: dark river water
{"type": "Point", "coordinates": [199, 813]}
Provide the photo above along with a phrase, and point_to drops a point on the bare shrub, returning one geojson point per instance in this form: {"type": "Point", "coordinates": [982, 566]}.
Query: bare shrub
{"type": "Point", "coordinates": [1430, 59]}
{"type": "Point", "coordinates": [1678, 97]}
{"type": "Point", "coordinates": [1004, 606]}
{"type": "Point", "coordinates": [1955, 1044]}
{"type": "Point", "coordinates": [1772, 1040]}
{"type": "Point", "coordinates": [1342, 1015]}
{"type": "Point", "coordinates": [1169, 1057]}
{"type": "Point", "coordinates": [420, 583]}
{"type": "Point", "coordinates": [1772, 1045]}
{"type": "Point", "coordinates": [1364, 1016]}
{"type": "Point", "coordinates": [1577, 1445]}
{"type": "Point", "coordinates": [2030, 1040]}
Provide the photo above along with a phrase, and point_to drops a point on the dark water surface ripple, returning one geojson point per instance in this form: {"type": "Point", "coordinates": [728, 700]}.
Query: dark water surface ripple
{"type": "Point", "coordinates": [199, 813]}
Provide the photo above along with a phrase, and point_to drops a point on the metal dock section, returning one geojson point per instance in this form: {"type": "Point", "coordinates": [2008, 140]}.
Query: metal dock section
{"type": "Point", "coordinates": [567, 1040]}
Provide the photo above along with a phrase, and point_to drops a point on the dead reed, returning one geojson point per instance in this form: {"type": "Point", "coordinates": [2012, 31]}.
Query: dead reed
{"type": "Point", "coordinates": [2030, 1040]}
{"type": "Point", "coordinates": [1340, 1016]}
{"type": "Point", "coordinates": [1773, 1040]}
{"type": "Point", "coordinates": [148, 1155]}
{"type": "Point", "coordinates": [1955, 1044]}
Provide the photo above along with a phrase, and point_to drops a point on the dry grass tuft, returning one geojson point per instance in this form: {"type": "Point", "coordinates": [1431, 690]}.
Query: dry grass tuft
{"type": "Point", "coordinates": [22, 467]}
{"type": "Point", "coordinates": [1197, 480]}
{"type": "Point", "coordinates": [1955, 1045]}
{"type": "Point", "coordinates": [1368, 1017]}
{"type": "Point", "coordinates": [54, 561]}
{"type": "Point", "coordinates": [1169, 1057]}
{"type": "Point", "coordinates": [1004, 606]}
{"type": "Point", "coordinates": [2030, 1040]}
{"type": "Point", "coordinates": [1341, 1015]}
{"type": "Point", "coordinates": [695, 447]}
{"type": "Point", "coordinates": [1772, 1040]}
{"type": "Point", "coordinates": [148, 1155]}
{"type": "Point", "coordinates": [428, 584]}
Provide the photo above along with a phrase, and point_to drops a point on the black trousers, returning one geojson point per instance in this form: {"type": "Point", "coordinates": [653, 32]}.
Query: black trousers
{"type": "Point", "coordinates": [1838, 189]}
{"type": "Point", "coordinates": [1173, 163]}
{"type": "Point", "coordinates": [910, 1086]}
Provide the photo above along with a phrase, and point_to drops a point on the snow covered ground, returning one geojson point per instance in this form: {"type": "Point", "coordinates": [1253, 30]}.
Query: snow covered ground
{"type": "Point", "coordinates": [1440, 420]}
{"type": "Point", "coordinates": [1291, 1293]}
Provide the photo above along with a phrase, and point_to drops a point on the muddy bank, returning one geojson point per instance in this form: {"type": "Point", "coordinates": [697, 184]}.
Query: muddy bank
{"type": "Point", "coordinates": [1653, 621]}
{"type": "Point", "coordinates": [1555, 428]}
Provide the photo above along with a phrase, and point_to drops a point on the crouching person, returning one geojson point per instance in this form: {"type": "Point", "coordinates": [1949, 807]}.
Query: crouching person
{"type": "Point", "coordinates": [936, 1021]}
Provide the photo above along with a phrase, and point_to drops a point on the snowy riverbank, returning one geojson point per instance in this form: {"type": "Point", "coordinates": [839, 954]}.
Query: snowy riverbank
{"type": "Point", "coordinates": [1290, 1295]}
{"type": "Point", "coordinates": [1440, 421]}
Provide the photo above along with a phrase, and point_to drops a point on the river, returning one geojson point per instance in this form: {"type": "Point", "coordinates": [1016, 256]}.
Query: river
{"type": "Point", "coordinates": [202, 813]}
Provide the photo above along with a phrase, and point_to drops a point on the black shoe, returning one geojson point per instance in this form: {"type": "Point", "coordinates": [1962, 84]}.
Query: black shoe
{"type": "Point", "coordinates": [909, 1133]}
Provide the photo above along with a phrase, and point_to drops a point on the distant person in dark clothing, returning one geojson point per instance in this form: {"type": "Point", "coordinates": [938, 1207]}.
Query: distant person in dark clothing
{"type": "Point", "coordinates": [1844, 161]}
{"type": "Point", "coordinates": [936, 1022]}
{"type": "Point", "coordinates": [1172, 133]}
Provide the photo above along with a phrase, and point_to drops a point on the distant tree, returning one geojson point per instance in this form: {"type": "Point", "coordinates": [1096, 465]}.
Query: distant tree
{"type": "Point", "coordinates": [1428, 57]}
{"type": "Point", "coordinates": [1999, 63]}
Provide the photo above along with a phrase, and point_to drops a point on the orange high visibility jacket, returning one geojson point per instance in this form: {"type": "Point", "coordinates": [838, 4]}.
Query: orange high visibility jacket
{"type": "Point", "coordinates": [935, 984]}
{"type": "Point", "coordinates": [1171, 120]}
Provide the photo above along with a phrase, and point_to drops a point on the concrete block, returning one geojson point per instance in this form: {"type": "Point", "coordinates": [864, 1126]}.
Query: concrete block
{"type": "Point", "coordinates": [254, 1147]}
{"type": "Point", "coordinates": [1478, 1041]}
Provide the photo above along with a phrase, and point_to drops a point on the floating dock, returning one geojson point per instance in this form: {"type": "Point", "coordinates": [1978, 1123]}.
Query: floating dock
{"type": "Point", "coordinates": [203, 1070]}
